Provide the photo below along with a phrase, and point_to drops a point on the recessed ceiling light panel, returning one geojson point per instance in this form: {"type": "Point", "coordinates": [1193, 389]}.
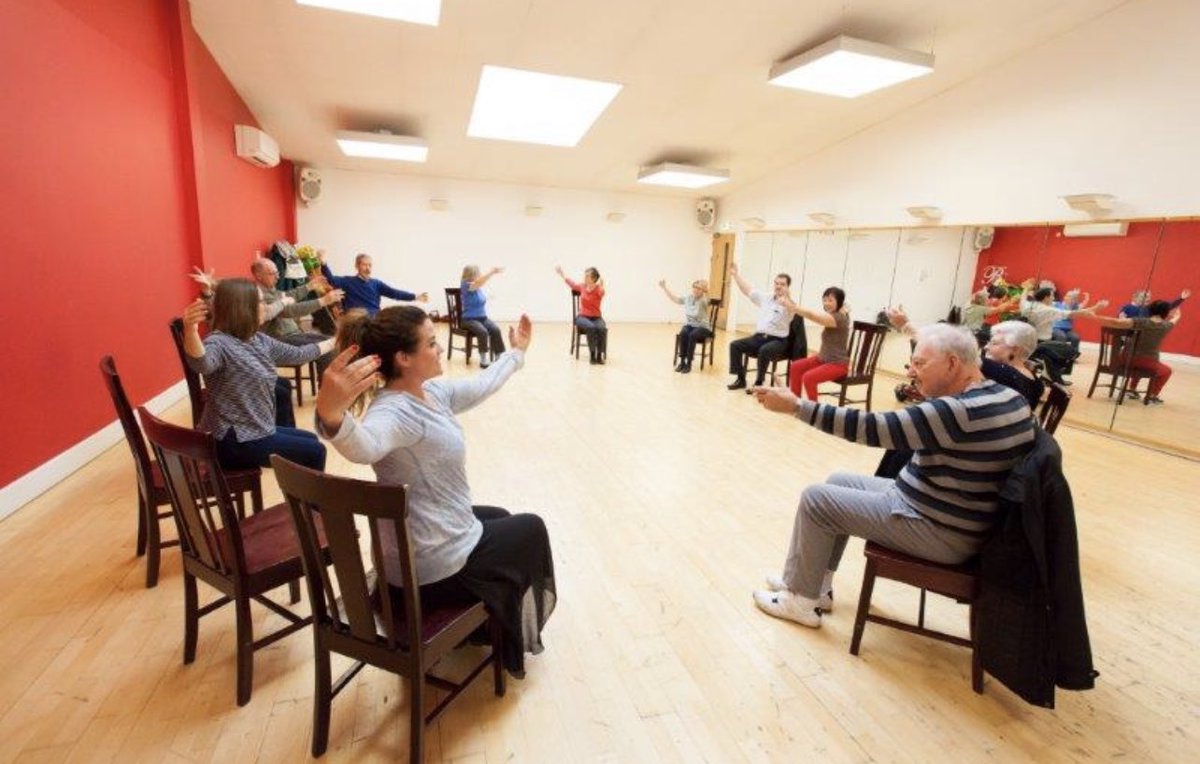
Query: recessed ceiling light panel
{"type": "Point", "coordinates": [382, 146]}
{"type": "Point", "coordinates": [531, 107]}
{"type": "Point", "coordinates": [681, 175]}
{"type": "Point", "coordinates": [849, 67]}
{"type": "Point", "coordinates": [424, 12]}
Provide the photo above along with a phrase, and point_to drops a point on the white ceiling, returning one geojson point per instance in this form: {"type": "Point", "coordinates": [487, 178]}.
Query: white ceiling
{"type": "Point", "coordinates": [694, 71]}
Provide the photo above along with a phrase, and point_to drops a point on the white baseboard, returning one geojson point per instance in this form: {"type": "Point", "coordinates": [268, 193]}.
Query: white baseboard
{"type": "Point", "coordinates": [32, 484]}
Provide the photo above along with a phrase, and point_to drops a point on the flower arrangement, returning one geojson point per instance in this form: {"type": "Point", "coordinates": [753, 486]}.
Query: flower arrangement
{"type": "Point", "coordinates": [308, 255]}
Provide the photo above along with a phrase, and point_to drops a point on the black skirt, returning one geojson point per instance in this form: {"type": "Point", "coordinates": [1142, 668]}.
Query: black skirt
{"type": "Point", "coordinates": [511, 570]}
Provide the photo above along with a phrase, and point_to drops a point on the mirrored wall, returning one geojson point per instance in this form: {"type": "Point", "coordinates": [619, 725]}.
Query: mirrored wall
{"type": "Point", "coordinates": [931, 270]}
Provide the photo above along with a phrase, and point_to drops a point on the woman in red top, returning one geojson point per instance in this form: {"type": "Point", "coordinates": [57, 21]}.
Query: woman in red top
{"type": "Point", "coordinates": [591, 292]}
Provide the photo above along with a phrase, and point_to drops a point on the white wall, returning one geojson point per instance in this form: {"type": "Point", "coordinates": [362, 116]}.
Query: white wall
{"type": "Point", "coordinates": [1111, 107]}
{"type": "Point", "coordinates": [418, 249]}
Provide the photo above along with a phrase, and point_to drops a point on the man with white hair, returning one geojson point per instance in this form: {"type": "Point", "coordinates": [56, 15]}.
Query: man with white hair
{"type": "Point", "coordinates": [966, 437]}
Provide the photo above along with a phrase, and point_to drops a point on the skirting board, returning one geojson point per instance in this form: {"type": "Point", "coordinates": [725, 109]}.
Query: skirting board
{"type": "Point", "coordinates": [32, 484]}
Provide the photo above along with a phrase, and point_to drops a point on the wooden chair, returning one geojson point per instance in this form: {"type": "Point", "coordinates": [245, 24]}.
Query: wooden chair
{"type": "Point", "coordinates": [959, 582]}
{"type": "Point", "coordinates": [796, 346]}
{"type": "Point", "coordinates": [195, 385]}
{"type": "Point", "coordinates": [152, 491]}
{"type": "Point", "coordinates": [241, 557]}
{"type": "Point", "coordinates": [866, 340]}
{"type": "Point", "coordinates": [370, 621]}
{"type": "Point", "coordinates": [299, 375]}
{"type": "Point", "coordinates": [1054, 407]}
{"type": "Point", "coordinates": [705, 345]}
{"type": "Point", "coordinates": [578, 333]}
{"type": "Point", "coordinates": [1114, 358]}
{"type": "Point", "coordinates": [454, 313]}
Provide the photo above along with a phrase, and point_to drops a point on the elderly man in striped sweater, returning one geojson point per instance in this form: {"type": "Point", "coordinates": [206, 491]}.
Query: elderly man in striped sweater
{"type": "Point", "coordinates": [966, 437]}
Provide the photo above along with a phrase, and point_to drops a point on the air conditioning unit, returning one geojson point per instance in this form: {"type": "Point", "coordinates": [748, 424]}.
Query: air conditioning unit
{"type": "Point", "coordinates": [255, 146]}
{"type": "Point", "coordinates": [1079, 230]}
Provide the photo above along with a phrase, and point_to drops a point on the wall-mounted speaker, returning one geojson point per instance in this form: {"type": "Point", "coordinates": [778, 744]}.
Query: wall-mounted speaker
{"type": "Point", "coordinates": [706, 213]}
{"type": "Point", "coordinates": [308, 185]}
{"type": "Point", "coordinates": [984, 236]}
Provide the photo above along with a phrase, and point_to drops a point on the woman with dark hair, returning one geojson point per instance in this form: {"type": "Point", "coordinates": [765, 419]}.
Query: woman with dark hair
{"type": "Point", "coordinates": [411, 436]}
{"type": "Point", "coordinates": [832, 359]}
{"type": "Point", "coordinates": [591, 292]}
{"type": "Point", "coordinates": [1163, 316]}
{"type": "Point", "coordinates": [238, 363]}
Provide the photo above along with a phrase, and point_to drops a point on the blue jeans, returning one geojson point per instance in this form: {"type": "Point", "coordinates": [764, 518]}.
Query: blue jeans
{"type": "Point", "coordinates": [597, 335]}
{"type": "Point", "coordinates": [689, 337]}
{"type": "Point", "coordinates": [487, 334]}
{"type": "Point", "coordinates": [299, 446]}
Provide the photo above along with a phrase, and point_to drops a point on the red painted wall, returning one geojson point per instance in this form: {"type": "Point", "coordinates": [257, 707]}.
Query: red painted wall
{"type": "Point", "coordinates": [103, 214]}
{"type": "Point", "coordinates": [1162, 256]}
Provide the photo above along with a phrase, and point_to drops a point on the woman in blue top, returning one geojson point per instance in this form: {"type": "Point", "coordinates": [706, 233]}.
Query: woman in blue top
{"type": "Point", "coordinates": [474, 314]}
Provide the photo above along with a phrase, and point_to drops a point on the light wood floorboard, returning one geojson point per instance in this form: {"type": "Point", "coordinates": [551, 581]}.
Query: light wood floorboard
{"type": "Point", "coordinates": [667, 499]}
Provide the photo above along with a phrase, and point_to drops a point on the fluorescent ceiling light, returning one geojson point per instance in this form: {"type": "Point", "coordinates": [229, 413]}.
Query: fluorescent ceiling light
{"type": "Point", "coordinates": [382, 146]}
{"type": "Point", "coordinates": [416, 11]}
{"type": "Point", "coordinates": [849, 67]}
{"type": "Point", "coordinates": [531, 107]}
{"type": "Point", "coordinates": [681, 175]}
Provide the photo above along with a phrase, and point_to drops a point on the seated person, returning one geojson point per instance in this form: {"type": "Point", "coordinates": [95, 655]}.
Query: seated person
{"type": "Point", "coordinates": [696, 327]}
{"type": "Point", "coordinates": [283, 308]}
{"type": "Point", "coordinates": [1064, 329]}
{"type": "Point", "coordinates": [591, 294]}
{"type": "Point", "coordinates": [1139, 306]}
{"type": "Point", "coordinates": [362, 291]}
{"type": "Point", "coordinates": [474, 313]}
{"type": "Point", "coordinates": [925, 511]}
{"type": "Point", "coordinates": [769, 341]}
{"type": "Point", "coordinates": [832, 359]}
{"type": "Point", "coordinates": [1151, 333]}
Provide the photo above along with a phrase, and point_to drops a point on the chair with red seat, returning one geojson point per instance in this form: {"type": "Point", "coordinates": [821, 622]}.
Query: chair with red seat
{"type": "Point", "coordinates": [240, 556]}
{"type": "Point", "coordinates": [152, 491]}
{"type": "Point", "coordinates": [371, 621]}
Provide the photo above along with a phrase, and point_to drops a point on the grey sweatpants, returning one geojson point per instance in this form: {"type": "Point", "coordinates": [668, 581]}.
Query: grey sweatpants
{"type": "Point", "coordinates": [867, 507]}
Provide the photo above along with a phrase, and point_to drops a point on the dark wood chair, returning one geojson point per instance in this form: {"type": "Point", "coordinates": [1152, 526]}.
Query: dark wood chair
{"type": "Point", "coordinates": [301, 372]}
{"type": "Point", "coordinates": [372, 622]}
{"type": "Point", "coordinates": [1115, 347]}
{"type": "Point", "coordinates": [796, 346]}
{"type": "Point", "coordinates": [195, 385]}
{"type": "Point", "coordinates": [1054, 407]}
{"type": "Point", "coordinates": [578, 333]}
{"type": "Point", "coordinates": [959, 582]}
{"type": "Point", "coordinates": [866, 340]}
{"type": "Point", "coordinates": [240, 556]}
{"type": "Point", "coordinates": [454, 314]}
{"type": "Point", "coordinates": [152, 491]}
{"type": "Point", "coordinates": [705, 345]}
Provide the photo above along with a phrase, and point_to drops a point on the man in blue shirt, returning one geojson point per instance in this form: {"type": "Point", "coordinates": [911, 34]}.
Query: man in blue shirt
{"type": "Point", "coordinates": [362, 291]}
{"type": "Point", "coordinates": [1139, 307]}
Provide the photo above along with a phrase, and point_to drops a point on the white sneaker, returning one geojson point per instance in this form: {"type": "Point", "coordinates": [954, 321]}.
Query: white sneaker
{"type": "Point", "coordinates": [824, 602]}
{"type": "Point", "coordinates": [787, 606]}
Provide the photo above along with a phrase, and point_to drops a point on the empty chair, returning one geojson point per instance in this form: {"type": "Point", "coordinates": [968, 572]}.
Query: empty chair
{"type": "Point", "coordinates": [152, 491]}
{"type": "Point", "coordinates": [454, 311]}
{"type": "Point", "coordinates": [866, 340]}
{"type": "Point", "coordinates": [360, 617]}
{"type": "Point", "coordinates": [240, 556]}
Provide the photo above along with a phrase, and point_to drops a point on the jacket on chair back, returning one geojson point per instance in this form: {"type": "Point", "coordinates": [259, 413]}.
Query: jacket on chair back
{"type": "Point", "coordinates": [1031, 629]}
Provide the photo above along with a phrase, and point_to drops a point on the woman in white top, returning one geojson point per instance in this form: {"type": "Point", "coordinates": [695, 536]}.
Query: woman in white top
{"type": "Point", "coordinates": [696, 326]}
{"type": "Point", "coordinates": [410, 435]}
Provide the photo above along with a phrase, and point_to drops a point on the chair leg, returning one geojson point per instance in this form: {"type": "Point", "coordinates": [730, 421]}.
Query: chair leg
{"type": "Point", "coordinates": [299, 385]}
{"type": "Point", "coordinates": [191, 617]}
{"type": "Point", "coordinates": [497, 656]}
{"type": "Point", "coordinates": [976, 658]}
{"type": "Point", "coordinates": [864, 606]}
{"type": "Point", "coordinates": [294, 591]}
{"type": "Point", "coordinates": [245, 649]}
{"type": "Point", "coordinates": [312, 378]}
{"type": "Point", "coordinates": [153, 546]}
{"type": "Point", "coordinates": [143, 519]}
{"type": "Point", "coordinates": [322, 698]}
{"type": "Point", "coordinates": [416, 720]}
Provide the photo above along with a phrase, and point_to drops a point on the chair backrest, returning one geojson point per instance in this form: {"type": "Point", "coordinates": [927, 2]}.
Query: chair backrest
{"type": "Point", "coordinates": [133, 433]}
{"type": "Point", "coordinates": [204, 512]}
{"type": "Point", "coordinates": [1113, 343]}
{"type": "Point", "coordinates": [866, 340]}
{"type": "Point", "coordinates": [714, 307]}
{"type": "Point", "coordinates": [338, 502]}
{"type": "Point", "coordinates": [574, 305]}
{"type": "Point", "coordinates": [195, 385]}
{"type": "Point", "coordinates": [797, 339]}
{"type": "Point", "coordinates": [454, 307]}
{"type": "Point", "coordinates": [1054, 407]}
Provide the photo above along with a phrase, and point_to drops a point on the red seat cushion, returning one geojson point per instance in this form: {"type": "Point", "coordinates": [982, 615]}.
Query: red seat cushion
{"type": "Point", "coordinates": [270, 545]}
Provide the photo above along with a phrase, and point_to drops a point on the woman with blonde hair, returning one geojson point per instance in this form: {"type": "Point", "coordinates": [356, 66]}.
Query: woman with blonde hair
{"type": "Point", "coordinates": [696, 326]}
{"type": "Point", "coordinates": [410, 435]}
{"type": "Point", "coordinates": [474, 314]}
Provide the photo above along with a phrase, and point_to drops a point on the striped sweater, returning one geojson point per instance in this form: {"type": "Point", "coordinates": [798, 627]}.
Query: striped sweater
{"type": "Point", "coordinates": [965, 445]}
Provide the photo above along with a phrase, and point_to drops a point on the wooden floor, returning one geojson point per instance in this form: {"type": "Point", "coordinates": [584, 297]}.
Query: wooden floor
{"type": "Point", "coordinates": [667, 499]}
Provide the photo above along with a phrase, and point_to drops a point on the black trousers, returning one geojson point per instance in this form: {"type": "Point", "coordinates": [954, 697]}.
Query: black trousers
{"type": "Point", "coordinates": [763, 346]}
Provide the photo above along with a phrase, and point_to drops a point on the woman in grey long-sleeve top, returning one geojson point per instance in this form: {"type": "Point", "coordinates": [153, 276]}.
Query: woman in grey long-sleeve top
{"type": "Point", "coordinates": [411, 436]}
{"type": "Point", "coordinates": [238, 363]}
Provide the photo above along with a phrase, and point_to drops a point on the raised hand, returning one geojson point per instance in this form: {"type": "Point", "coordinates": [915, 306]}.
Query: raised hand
{"type": "Point", "coordinates": [897, 316]}
{"type": "Point", "coordinates": [558, 269]}
{"type": "Point", "coordinates": [205, 279]}
{"type": "Point", "coordinates": [733, 267]}
{"type": "Point", "coordinates": [662, 283]}
{"type": "Point", "coordinates": [195, 314]}
{"type": "Point", "coordinates": [423, 297]}
{"type": "Point", "coordinates": [1185, 294]}
{"type": "Point", "coordinates": [332, 296]}
{"type": "Point", "coordinates": [520, 335]}
{"type": "Point", "coordinates": [343, 381]}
